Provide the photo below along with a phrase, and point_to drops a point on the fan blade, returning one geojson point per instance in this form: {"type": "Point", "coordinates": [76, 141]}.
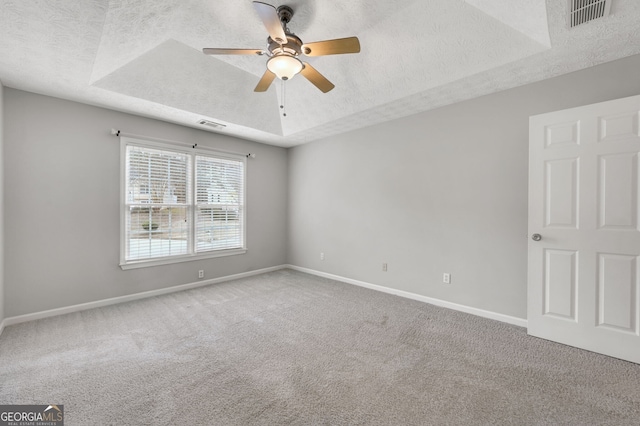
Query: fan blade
{"type": "Point", "coordinates": [318, 80]}
{"type": "Point", "coordinates": [265, 81]}
{"type": "Point", "coordinates": [271, 21]}
{"type": "Point", "coordinates": [215, 51]}
{"type": "Point", "coordinates": [332, 47]}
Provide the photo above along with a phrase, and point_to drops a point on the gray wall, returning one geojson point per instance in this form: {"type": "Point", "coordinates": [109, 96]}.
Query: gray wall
{"type": "Point", "coordinates": [441, 191]}
{"type": "Point", "coordinates": [2, 316]}
{"type": "Point", "coordinates": [62, 205]}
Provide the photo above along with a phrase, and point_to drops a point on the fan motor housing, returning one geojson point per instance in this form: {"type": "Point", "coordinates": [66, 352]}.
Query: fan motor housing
{"type": "Point", "coordinates": [293, 46]}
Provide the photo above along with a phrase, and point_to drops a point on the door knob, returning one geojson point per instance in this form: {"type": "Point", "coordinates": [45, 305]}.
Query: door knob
{"type": "Point", "coordinates": [536, 237]}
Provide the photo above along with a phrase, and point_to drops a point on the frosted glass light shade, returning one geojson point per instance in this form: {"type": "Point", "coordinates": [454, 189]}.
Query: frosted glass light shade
{"type": "Point", "coordinates": [284, 66]}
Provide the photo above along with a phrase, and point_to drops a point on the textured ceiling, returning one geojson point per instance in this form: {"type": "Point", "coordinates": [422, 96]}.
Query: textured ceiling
{"type": "Point", "coordinates": [144, 57]}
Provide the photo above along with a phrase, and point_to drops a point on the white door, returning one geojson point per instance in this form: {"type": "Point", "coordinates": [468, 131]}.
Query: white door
{"type": "Point", "coordinates": [584, 272]}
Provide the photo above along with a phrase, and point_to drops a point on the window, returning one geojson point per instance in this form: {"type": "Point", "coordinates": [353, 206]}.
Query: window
{"type": "Point", "coordinates": [179, 203]}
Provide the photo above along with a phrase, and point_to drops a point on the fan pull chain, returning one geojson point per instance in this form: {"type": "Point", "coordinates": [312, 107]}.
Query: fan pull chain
{"type": "Point", "coordinates": [284, 110]}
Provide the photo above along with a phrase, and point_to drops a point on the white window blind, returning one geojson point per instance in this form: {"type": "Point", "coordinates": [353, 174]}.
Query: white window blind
{"type": "Point", "coordinates": [180, 203]}
{"type": "Point", "coordinates": [219, 195]}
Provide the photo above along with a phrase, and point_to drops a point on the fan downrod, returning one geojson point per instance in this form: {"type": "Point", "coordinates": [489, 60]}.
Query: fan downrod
{"type": "Point", "coordinates": [285, 13]}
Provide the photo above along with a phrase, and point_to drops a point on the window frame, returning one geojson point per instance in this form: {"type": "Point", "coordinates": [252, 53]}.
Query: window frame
{"type": "Point", "coordinates": [192, 205]}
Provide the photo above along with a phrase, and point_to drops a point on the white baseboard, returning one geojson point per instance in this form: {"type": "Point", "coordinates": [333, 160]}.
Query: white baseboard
{"type": "Point", "coordinates": [130, 297]}
{"type": "Point", "coordinates": [152, 293]}
{"type": "Point", "coordinates": [442, 303]}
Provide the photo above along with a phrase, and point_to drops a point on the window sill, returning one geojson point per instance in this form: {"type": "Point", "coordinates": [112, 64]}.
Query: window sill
{"type": "Point", "coordinates": [135, 264]}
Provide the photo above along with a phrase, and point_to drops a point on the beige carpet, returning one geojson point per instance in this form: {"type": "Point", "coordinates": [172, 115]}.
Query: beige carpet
{"type": "Point", "coordinates": [289, 348]}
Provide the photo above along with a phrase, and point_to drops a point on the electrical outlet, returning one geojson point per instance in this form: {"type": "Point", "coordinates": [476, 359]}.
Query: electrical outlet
{"type": "Point", "coordinates": [446, 278]}
{"type": "Point", "coordinates": [321, 256]}
{"type": "Point", "coordinates": [384, 267]}
{"type": "Point", "coordinates": [201, 273]}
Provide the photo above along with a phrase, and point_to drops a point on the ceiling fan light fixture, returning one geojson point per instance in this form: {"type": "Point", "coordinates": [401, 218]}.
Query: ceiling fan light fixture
{"type": "Point", "coordinates": [284, 66]}
{"type": "Point", "coordinates": [284, 49]}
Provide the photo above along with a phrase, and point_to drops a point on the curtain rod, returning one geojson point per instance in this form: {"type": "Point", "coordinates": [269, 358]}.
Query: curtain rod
{"type": "Point", "coordinates": [118, 133]}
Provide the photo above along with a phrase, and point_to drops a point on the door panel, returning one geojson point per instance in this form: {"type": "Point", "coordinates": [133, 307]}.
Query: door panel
{"type": "Point", "coordinates": [561, 281]}
{"type": "Point", "coordinates": [618, 191]}
{"type": "Point", "coordinates": [584, 277]}
{"type": "Point", "coordinates": [617, 127]}
{"type": "Point", "coordinates": [562, 134]}
{"type": "Point", "coordinates": [561, 193]}
{"type": "Point", "coordinates": [617, 290]}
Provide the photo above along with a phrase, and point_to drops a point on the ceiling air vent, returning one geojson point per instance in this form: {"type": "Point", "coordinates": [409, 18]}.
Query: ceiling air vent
{"type": "Point", "coordinates": [212, 124]}
{"type": "Point", "coordinates": [583, 11]}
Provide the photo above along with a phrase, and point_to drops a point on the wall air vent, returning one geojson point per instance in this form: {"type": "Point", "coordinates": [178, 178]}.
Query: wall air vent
{"type": "Point", "coordinates": [583, 11]}
{"type": "Point", "coordinates": [212, 124]}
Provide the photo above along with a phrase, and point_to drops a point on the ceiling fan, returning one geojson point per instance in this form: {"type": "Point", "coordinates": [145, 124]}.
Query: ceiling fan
{"type": "Point", "coordinates": [284, 49]}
